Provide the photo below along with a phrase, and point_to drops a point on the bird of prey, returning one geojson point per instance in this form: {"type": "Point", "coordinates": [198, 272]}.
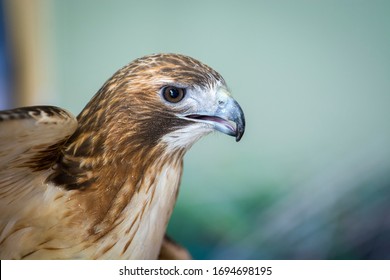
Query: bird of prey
{"type": "Point", "coordinates": [103, 185]}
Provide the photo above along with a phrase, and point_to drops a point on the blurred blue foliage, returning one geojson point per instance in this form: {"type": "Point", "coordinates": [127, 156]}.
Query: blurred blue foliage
{"type": "Point", "coordinates": [5, 62]}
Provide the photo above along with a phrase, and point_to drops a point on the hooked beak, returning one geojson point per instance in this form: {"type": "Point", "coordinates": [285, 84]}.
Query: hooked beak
{"type": "Point", "coordinates": [226, 117]}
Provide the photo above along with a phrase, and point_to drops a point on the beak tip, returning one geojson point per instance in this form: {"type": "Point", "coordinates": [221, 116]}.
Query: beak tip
{"type": "Point", "coordinates": [239, 119]}
{"type": "Point", "coordinates": [239, 135]}
{"type": "Point", "coordinates": [240, 126]}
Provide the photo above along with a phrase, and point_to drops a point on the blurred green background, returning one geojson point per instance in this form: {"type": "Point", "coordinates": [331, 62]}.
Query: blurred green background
{"type": "Point", "coordinates": [311, 177]}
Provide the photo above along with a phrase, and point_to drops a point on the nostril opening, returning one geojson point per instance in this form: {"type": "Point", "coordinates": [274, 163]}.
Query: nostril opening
{"type": "Point", "coordinates": [221, 103]}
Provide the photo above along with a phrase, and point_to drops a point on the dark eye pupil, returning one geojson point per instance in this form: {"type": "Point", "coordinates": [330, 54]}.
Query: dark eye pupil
{"type": "Point", "coordinates": [173, 94]}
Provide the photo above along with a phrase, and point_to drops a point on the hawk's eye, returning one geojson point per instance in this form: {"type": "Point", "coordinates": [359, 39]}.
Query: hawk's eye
{"type": "Point", "coordinates": [173, 94]}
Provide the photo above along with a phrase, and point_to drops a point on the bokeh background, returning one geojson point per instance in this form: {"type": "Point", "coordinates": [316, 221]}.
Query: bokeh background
{"type": "Point", "coordinates": [311, 177]}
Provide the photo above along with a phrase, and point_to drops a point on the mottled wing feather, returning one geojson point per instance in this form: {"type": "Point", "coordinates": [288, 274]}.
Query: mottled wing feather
{"type": "Point", "coordinates": [30, 139]}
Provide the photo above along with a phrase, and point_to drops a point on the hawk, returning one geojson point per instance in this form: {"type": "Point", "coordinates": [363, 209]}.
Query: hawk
{"type": "Point", "coordinates": [103, 185]}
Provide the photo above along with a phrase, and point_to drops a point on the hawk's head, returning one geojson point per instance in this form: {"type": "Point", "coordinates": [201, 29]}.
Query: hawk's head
{"type": "Point", "coordinates": [169, 99]}
{"type": "Point", "coordinates": [156, 105]}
